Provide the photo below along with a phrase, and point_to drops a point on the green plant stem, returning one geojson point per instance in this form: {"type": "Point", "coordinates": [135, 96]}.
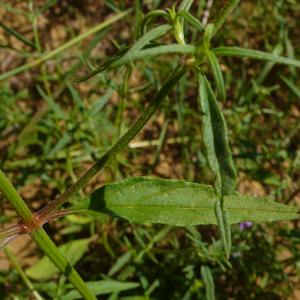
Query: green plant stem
{"type": "Point", "coordinates": [15, 199]}
{"type": "Point", "coordinates": [49, 248]}
{"type": "Point", "coordinates": [63, 47]}
{"type": "Point", "coordinates": [13, 261]}
{"type": "Point", "coordinates": [42, 239]}
{"type": "Point", "coordinates": [118, 146]}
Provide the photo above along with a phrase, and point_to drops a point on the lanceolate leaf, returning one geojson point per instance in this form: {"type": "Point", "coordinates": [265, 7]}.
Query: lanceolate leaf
{"type": "Point", "coordinates": [121, 59]}
{"type": "Point", "coordinates": [178, 202]}
{"type": "Point", "coordinates": [215, 139]}
{"type": "Point", "coordinates": [185, 5]}
{"type": "Point", "coordinates": [217, 74]}
{"type": "Point", "coordinates": [103, 287]}
{"type": "Point", "coordinates": [255, 54]}
{"type": "Point", "coordinates": [192, 20]}
{"type": "Point", "coordinates": [209, 283]}
{"type": "Point", "coordinates": [138, 45]}
{"type": "Point", "coordinates": [295, 89]}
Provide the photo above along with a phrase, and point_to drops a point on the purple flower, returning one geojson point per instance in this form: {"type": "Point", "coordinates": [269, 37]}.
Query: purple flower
{"type": "Point", "coordinates": [245, 225]}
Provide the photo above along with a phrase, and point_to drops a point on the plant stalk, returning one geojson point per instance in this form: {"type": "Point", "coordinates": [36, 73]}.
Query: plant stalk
{"type": "Point", "coordinates": [118, 146]}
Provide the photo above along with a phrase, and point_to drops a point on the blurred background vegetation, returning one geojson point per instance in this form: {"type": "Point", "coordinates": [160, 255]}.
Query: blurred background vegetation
{"type": "Point", "coordinates": [52, 129]}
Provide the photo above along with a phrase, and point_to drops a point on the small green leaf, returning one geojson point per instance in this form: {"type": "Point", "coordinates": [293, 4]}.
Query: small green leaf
{"type": "Point", "coordinates": [216, 69]}
{"type": "Point", "coordinates": [191, 19]}
{"type": "Point", "coordinates": [179, 203]}
{"type": "Point", "coordinates": [207, 36]}
{"type": "Point", "coordinates": [44, 269]}
{"type": "Point", "coordinates": [215, 138]}
{"type": "Point", "coordinates": [120, 263]}
{"type": "Point", "coordinates": [121, 59]}
{"type": "Point", "coordinates": [295, 89]}
{"type": "Point", "coordinates": [54, 106]}
{"type": "Point", "coordinates": [138, 45]}
{"type": "Point", "coordinates": [103, 287]}
{"type": "Point", "coordinates": [223, 14]}
{"type": "Point", "coordinates": [208, 282]}
{"type": "Point", "coordinates": [185, 5]}
{"type": "Point", "coordinates": [255, 54]}
{"type": "Point", "coordinates": [154, 51]}
{"type": "Point", "coordinates": [151, 16]}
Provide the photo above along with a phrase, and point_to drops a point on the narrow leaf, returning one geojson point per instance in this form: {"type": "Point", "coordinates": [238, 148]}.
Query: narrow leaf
{"type": "Point", "coordinates": [192, 20]}
{"type": "Point", "coordinates": [178, 202]}
{"type": "Point", "coordinates": [151, 16]}
{"type": "Point", "coordinates": [216, 69]}
{"type": "Point", "coordinates": [227, 228]}
{"type": "Point", "coordinates": [224, 13]}
{"type": "Point", "coordinates": [185, 5]}
{"type": "Point", "coordinates": [224, 227]}
{"type": "Point", "coordinates": [246, 98]}
{"type": "Point", "coordinates": [17, 35]}
{"type": "Point", "coordinates": [208, 282]}
{"type": "Point", "coordinates": [255, 54]}
{"type": "Point", "coordinates": [215, 138]}
{"type": "Point", "coordinates": [207, 36]}
{"type": "Point", "coordinates": [138, 45]}
{"type": "Point", "coordinates": [103, 287]}
{"type": "Point", "coordinates": [295, 89]}
{"type": "Point", "coordinates": [142, 54]}
{"type": "Point", "coordinates": [44, 269]}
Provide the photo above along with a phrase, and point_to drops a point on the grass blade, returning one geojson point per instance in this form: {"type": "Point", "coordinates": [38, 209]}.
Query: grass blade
{"type": "Point", "coordinates": [53, 53]}
{"type": "Point", "coordinates": [14, 262]}
{"type": "Point", "coordinates": [255, 54]}
{"type": "Point", "coordinates": [246, 98]}
{"type": "Point", "coordinates": [295, 89]}
{"type": "Point", "coordinates": [208, 282]}
{"type": "Point", "coordinates": [17, 35]}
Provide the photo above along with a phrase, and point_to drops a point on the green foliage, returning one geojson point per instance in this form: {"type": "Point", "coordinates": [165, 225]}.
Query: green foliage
{"type": "Point", "coordinates": [52, 129]}
{"type": "Point", "coordinates": [73, 251]}
{"type": "Point", "coordinates": [215, 136]}
{"type": "Point", "coordinates": [103, 287]}
{"type": "Point", "coordinates": [178, 202]}
{"type": "Point", "coordinates": [255, 54]}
